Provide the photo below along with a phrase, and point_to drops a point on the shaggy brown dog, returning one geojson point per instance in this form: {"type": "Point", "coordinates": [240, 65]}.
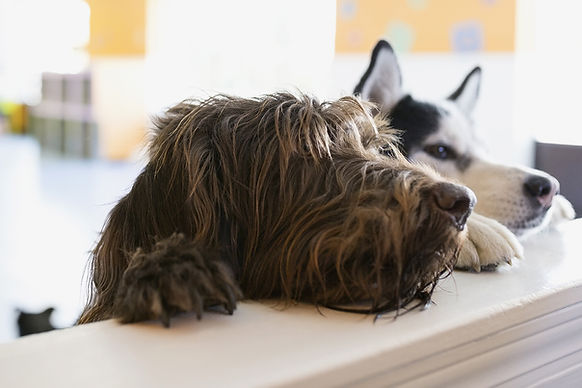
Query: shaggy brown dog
{"type": "Point", "coordinates": [276, 197]}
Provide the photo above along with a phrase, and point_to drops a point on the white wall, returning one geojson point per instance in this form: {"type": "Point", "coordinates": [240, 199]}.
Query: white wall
{"type": "Point", "coordinates": [549, 69]}
{"type": "Point", "coordinates": [40, 36]}
{"type": "Point", "coordinates": [196, 48]}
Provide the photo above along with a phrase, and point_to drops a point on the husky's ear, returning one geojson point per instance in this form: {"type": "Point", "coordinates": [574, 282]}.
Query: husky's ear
{"type": "Point", "coordinates": [466, 95]}
{"type": "Point", "coordinates": [382, 82]}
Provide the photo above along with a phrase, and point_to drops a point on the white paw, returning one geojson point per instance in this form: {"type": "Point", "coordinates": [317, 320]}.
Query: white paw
{"type": "Point", "coordinates": [488, 244]}
{"type": "Point", "coordinates": [562, 210]}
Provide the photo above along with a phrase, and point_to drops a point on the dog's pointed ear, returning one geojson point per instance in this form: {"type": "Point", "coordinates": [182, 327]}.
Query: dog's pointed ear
{"type": "Point", "coordinates": [467, 93]}
{"type": "Point", "coordinates": [382, 81]}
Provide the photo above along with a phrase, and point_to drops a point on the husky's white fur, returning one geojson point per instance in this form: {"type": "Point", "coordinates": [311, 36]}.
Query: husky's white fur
{"type": "Point", "coordinates": [505, 210]}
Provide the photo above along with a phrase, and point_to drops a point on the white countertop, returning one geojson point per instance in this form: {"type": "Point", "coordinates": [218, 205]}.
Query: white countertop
{"type": "Point", "coordinates": [524, 322]}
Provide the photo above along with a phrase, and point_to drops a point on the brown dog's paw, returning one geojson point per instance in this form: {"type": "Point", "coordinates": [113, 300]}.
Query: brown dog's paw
{"type": "Point", "coordinates": [176, 276]}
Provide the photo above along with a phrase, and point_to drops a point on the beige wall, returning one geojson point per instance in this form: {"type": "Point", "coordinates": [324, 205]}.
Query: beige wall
{"type": "Point", "coordinates": [117, 49]}
{"type": "Point", "coordinates": [119, 105]}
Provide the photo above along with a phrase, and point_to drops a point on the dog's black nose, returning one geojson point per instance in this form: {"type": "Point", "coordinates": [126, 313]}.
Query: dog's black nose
{"type": "Point", "coordinates": [457, 201]}
{"type": "Point", "coordinates": [542, 188]}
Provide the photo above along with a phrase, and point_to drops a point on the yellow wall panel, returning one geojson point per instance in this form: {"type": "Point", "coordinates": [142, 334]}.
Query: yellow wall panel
{"type": "Point", "coordinates": [117, 27]}
{"type": "Point", "coordinates": [426, 25]}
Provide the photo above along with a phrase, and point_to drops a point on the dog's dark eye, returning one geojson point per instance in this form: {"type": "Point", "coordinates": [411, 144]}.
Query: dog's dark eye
{"type": "Point", "coordinates": [440, 151]}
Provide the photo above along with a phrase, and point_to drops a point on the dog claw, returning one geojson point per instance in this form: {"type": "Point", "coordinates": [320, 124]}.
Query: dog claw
{"type": "Point", "coordinates": [426, 305]}
{"type": "Point", "coordinates": [489, 267]}
{"type": "Point", "coordinates": [198, 313]}
{"type": "Point", "coordinates": [165, 319]}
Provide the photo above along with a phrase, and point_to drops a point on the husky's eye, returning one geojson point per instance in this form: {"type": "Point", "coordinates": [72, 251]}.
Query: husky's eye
{"type": "Point", "coordinates": [440, 151]}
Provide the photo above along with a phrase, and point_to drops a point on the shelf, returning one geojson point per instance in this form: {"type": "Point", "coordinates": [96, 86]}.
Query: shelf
{"type": "Point", "coordinates": [518, 325]}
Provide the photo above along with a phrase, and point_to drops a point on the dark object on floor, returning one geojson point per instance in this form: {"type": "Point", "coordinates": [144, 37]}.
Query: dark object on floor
{"type": "Point", "coordinates": [32, 323]}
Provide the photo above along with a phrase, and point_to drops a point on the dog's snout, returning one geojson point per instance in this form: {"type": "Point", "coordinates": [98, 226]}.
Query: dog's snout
{"type": "Point", "coordinates": [457, 201]}
{"type": "Point", "coordinates": [542, 188]}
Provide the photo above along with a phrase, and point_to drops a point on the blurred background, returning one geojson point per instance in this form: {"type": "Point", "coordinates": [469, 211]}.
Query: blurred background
{"type": "Point", "coordinates": [81, 80]}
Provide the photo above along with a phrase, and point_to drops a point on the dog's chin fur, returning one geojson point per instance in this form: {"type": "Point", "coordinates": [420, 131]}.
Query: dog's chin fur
{"type": "Point", "coordinates": [530, 227]}
{"type": "Point", "coordinates": [276, 197]}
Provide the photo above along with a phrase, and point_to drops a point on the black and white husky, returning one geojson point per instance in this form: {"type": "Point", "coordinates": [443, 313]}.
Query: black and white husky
{"type": "Point", "coordinates": [440, 134]}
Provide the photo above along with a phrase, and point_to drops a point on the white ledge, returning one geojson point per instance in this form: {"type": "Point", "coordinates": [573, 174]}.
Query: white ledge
{"type": "Point", "coordinates": [520, 325]}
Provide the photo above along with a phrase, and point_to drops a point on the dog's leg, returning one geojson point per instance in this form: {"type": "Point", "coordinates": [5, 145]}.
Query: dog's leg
{"type": "Point", "coordinates": [488, 244]}
{"type": "Point", "coordinates": [176, 276]}
{"type": "Point", "coordinates": [136, 254]}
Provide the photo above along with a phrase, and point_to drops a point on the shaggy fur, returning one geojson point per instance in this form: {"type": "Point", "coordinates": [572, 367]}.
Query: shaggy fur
{"type": "Point", "coordinates": [276, 197]}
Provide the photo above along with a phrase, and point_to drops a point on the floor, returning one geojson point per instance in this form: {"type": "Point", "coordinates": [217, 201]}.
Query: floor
{"type": "Point", "coordinates": [51, 211]}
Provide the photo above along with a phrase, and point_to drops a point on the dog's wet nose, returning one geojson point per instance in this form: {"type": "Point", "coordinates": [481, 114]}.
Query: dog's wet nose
{"type": "Point", "coordinates": [542, 188]}
{"type": "Point", "coordinates": [458, 201]}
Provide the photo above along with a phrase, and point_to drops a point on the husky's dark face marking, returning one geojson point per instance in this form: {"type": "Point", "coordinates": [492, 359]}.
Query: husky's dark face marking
{"type": "Point", "coordinates": [441, 134]}
{"type": "Point", "coordinates": [409, 113]}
